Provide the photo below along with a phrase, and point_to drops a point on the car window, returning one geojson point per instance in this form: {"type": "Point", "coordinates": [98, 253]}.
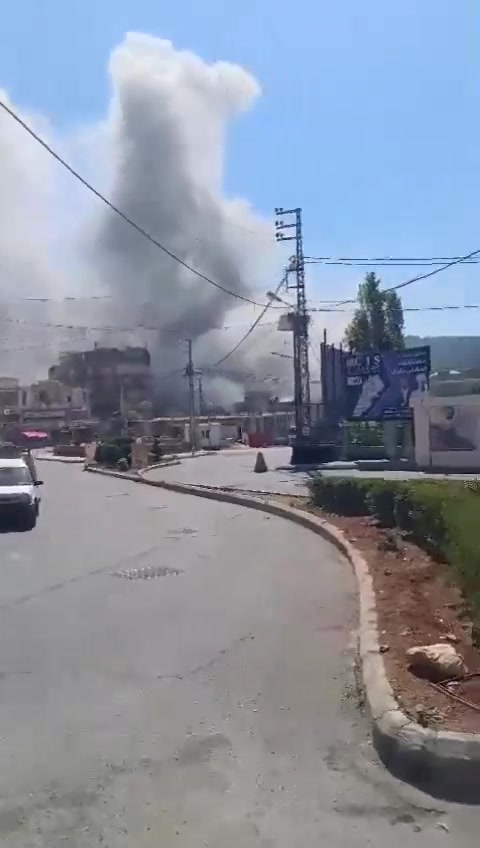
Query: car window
{"type": "Point", "coordinates": [15, 476]}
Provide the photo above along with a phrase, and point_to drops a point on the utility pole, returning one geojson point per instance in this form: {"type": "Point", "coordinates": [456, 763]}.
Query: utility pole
{"type": "Point", "coordinates": [299, 318]}
{"type": "Point", "coordinates": [190, 373]}
{"type": "Point", "coordinates": [201, 401]}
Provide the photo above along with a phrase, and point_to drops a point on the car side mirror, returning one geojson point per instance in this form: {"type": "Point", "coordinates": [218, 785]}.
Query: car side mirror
{"type": "Point", "coordinates": [38, 483]}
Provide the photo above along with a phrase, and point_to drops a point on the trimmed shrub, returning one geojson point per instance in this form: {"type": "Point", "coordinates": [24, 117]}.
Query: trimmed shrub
{"type": "Point", "coordinates": [380, 501]}
{"type": "Point", "coordinates": [340, 495]}
{"type": "Point", "coordinates": [109, 453]}
{"type": "Point", "coordinates": [441, 517]}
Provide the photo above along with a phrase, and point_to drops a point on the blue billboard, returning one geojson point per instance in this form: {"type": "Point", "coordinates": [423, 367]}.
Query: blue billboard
{"type": "Point", "coordinates": [380, 386]}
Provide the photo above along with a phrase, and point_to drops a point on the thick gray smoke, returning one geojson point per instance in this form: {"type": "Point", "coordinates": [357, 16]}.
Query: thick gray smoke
{"type": "Point", "coordinates": [159, 157]}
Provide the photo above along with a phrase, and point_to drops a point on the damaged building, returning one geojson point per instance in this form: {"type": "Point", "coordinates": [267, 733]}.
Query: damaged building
{"type": "Point", "coordinates": [118, 380]}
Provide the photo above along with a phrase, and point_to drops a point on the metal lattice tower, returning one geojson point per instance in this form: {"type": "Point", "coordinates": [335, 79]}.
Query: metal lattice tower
{"type": "Point", "coordinates": [299, 319]}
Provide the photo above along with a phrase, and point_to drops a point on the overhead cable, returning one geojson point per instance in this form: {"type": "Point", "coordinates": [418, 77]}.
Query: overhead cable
{"type": "Point", "coordinates": [119, 212]}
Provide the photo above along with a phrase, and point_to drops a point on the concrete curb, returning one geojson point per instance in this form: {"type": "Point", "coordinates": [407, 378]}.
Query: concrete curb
{"type": "Point", "coordinates": [167, 464]}
{"type": "Point", "coordinates": [443, 763]}
{"type": "Point", "coordinates": [67, 460]}
{"type": "Point", "coordinates": [259, 493]}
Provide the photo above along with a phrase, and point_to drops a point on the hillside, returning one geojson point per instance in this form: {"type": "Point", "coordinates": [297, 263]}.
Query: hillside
{"type": "Point", "coordinates": [450, 352]}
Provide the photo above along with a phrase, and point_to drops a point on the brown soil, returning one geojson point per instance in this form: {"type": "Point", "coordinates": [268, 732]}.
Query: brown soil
{"type": "Point", "coordinates": [417, 604]}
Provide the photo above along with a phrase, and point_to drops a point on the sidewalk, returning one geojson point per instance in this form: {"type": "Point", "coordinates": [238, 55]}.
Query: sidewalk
{"type": "Point", "coordinates": [234, 470]}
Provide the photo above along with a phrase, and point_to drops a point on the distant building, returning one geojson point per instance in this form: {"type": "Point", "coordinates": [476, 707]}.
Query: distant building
{"type": "Point", "coordinates": [46, 405]}
{"type": "Point", "coordinates": [118, 380]}
{"type": "Point", "coordinates": [256, 400]}
{"type": "Point", "coordinates": [10, 395]}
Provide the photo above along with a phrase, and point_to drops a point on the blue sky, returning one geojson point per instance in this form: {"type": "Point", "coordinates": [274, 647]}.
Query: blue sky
{"type": "Point", "coordinates": [369, 117]}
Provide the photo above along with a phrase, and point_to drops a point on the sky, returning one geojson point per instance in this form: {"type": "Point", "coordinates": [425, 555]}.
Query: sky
{"type": "Point", "coordinates": [368, 118]}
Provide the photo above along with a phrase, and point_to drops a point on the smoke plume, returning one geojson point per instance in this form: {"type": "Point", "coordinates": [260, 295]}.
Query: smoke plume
{"type": "Point", "coordinates": [159, 157]}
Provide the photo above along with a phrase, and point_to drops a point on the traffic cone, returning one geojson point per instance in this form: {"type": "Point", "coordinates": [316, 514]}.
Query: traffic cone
{"type": "Point", "coordinates": [260, 464]}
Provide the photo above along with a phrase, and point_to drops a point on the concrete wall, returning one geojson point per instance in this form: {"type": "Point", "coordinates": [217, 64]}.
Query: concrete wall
{"type": "Point", "coordinates": [447, 432]}
{"type": "Point", "coordinates": [140, 454]}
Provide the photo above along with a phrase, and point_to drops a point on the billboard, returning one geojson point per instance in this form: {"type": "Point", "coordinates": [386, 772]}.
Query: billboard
{"type": "Point", "coordinates": [379, 386]}
{"type": "Point", "coordinates": [332, 362]}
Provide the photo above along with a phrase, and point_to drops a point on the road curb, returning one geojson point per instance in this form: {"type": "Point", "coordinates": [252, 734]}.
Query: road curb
{"type": "Point", "coordinates": [167, 464]}
{"type": "Point", "coordinates": [442, 763]}
{"type": "Point", "coordinates": [256, 492]}
{"type": "Point", "coordinates": [67, 460]}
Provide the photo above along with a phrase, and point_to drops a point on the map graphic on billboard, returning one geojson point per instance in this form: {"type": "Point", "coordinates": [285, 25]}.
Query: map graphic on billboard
{"type": "Point", "coordinates": [380, 386]}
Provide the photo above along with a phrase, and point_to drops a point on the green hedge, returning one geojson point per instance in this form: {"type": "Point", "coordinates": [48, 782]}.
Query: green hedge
{"type": "Point", "coordinates": [442, 517]}
{"type": "Point", "coordinates": [110, 453]}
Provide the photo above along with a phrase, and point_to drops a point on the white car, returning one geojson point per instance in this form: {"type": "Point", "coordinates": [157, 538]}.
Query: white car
{"type": "Point", "coordinates": [19, 496]}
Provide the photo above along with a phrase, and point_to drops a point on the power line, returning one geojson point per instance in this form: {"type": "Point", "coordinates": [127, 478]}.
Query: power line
{"type": "Point", "coordinates": [65, 299]}
{"type": "Point", "coordinates": [250, 330]}
{"type": "Point", "coordinates": [388, 261]}
{"type": "Point", "coordinates": [330, 306]}
{"type": "Point", "coordinates": [120, 329]}
{"type": "Point", "coordinates": [456, 261]}
{"type": "Point", "coordinates": [384, 264]}
{"type": "Point", "coordinates": [408, 308]}
{"type": "Point", "coordinates": [119, 212]}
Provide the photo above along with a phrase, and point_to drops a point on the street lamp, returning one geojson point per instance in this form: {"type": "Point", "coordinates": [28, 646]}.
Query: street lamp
{"type": "Point", "coordinates": [281, 355]}
{"type": "Point", "coordinates": [273, 296]}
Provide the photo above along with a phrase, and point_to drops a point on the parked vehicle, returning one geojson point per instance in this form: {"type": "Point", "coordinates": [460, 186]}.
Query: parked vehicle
{"type": "Point", "coordinates": [9, 450]}
{"type": "Point", "coordinates": [19, 498]}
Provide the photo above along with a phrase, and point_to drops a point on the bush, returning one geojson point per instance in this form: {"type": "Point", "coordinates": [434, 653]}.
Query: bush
{"type": "Point", "coordinates": [340, 495]}
{"type": "Point", "coordinates": [442, 517]}
{"type": "Point", "coordinates": [109, 453]}
{"type": "Point", "coordinates": [380, 502]}
{"type": "Point", "coordinates": [428, 508]}
{"type": "Point", "coordinates": [365, 434]}
{"type": "Point", "coordinates": [462, 544]}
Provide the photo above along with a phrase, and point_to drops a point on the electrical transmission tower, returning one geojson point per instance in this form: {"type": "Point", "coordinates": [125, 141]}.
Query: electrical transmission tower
{"type": "Point", "coordinates": [299, 318]}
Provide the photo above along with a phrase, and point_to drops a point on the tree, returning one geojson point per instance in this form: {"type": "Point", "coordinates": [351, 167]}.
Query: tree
{"type": "Point", "coordinates": [378, 321]}
{"type": "Point", "coordinates": [378, 325]}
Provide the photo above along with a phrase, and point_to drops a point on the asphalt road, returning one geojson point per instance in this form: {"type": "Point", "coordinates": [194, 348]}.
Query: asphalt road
{"type": "Point", "coordinates": [214, 707]}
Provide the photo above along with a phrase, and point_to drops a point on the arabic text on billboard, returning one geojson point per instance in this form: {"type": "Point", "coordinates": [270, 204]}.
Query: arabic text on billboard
{"type": "Point", "coordinates": [380, 386]}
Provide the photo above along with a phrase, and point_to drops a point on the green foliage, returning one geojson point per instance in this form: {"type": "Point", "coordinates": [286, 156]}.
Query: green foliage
{"type": "Point", "coordinates": [442, 517]}
{"type": "Point", "coordinates": [378, 322]}
{"type": "Point", "coordinates": [380, 502]}
{"type": "Point", "coordinates": [340, 495]}
{"type": "Point", "coordinates": [111, 452]}
{"type": "Point", "coordinates": [394, 321]}
{"type": "Point", "coordinates": [365, 434]}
